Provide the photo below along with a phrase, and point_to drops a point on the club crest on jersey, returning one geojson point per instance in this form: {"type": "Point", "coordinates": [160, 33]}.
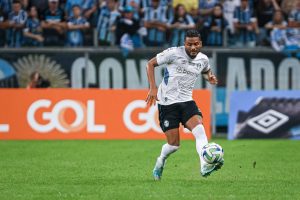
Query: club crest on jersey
{"type": "Point", "coordinates": [199, 66]}
{"type": "Point", "coordinates": [166, 123]}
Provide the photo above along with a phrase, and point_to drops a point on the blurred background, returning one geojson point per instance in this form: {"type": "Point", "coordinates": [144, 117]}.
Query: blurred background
{"type": "Point", "coordinates": [253, 45]}
{"type": "Point", "coordinates": [92, 54]}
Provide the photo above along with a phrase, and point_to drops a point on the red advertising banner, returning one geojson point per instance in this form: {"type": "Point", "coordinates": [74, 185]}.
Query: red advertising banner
{"type": "Point", "coordinates": [40, 114]}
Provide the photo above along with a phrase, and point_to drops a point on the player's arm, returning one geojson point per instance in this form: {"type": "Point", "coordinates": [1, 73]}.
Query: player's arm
{"type": "Point", "coordinates": [152, 94]}
{"type": "Point", "coordinates": [210, 77]}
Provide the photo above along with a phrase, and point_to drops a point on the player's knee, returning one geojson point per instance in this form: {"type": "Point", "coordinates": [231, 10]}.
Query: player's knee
{"type": "Point", "coordinates": [198, 131]}
{"type": "Point", "coordinates": [174, 147]}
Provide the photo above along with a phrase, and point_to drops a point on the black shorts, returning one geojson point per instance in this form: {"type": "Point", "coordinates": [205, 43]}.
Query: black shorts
{"type": "Point", "coordinates": [171, 115]}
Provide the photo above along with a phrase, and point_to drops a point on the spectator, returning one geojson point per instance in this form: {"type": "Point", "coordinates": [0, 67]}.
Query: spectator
{"type": "Point", "coordinates": [217, 25]}
{"type": "Point", "coordinates": [53, 25]}
{"type": "Point", "coordinates": [265, 10]}
{"type": "Point", "coordinates": [245, 25]}
{"type": "Point", "coordinates": [206, 10]}
{"type": "Point", "coordinates": [181, 22]}
{"type": "Point", "coordinates": [33, 30]}
{"type": "Point", "coordinates": [155, 22]}
{"type": "Point", "coordinates": [127, 35]}
{"type": "Point", "coordinates": [88, 7]}
{"type": "Point", "coordinates": [69, 6]}
{"type": "Point", "coordinates": [76, 25]}
{"type": "Point", "coordinates": [17, 19]}
{"type": "Point", "coordinates": [294, 17]}
{"type": "Point", "coordinates": [6, 7]}
{"type": "Point", "coordinates": [206, 7]}
{"type": "Point", "coordinates": [106, 26]}
{"type": "Point", "coordinates": [41, 6]}
{"type": "Point", "coordinates": [277, 22]}
{"type": "Point", "coordinates": [89, 11]}
{"type": "Point", "coordinates": [286, 41]}
{"type": "Point", "coordinates": [138, 6]}
{"type": "Point", "coordinates": [228, 10]}
{"type": "Point", "coordinates": [293, 34]}
{"type": "Point", "coordinates": [278, 39]}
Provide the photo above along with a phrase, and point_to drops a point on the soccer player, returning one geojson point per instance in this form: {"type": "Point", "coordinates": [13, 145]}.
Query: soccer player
{"type": "Point", "coordinates": [184, 65]}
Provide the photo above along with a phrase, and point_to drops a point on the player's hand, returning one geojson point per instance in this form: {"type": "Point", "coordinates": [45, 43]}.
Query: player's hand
{"type": "Point", "coordinates": [213, 80]}
{"type": "Point", "coordinates": [152, 97]}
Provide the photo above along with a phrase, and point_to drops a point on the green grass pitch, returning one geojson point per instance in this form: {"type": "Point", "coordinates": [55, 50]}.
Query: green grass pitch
{"type": "Point", "coordinates": [254, 169]}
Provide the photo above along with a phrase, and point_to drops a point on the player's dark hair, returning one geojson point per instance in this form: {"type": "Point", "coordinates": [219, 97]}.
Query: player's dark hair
{"type": "Point", "coordinates": [192, 33]}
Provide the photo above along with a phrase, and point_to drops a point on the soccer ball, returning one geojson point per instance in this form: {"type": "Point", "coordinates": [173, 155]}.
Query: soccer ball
{"type": "Point", "coordinates": [212, 153]}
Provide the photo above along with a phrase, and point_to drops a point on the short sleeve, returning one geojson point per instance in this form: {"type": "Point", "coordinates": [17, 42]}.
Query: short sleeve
{"type": "Point", "coordinates": [167, 56]}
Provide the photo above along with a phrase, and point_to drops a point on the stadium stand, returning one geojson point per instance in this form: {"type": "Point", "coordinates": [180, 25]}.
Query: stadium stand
{"type": "Point", "coordinates": [229, 23]}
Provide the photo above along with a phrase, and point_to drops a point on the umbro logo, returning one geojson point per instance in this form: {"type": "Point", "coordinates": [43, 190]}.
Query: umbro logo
{"type": "Point", "coordinates": [268, 121]}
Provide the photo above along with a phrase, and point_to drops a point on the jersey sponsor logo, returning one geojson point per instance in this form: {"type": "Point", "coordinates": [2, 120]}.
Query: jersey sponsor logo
{"type": "Point", "coordinates": [268, 121]}
{"type": "Point", "coordinates": [182, 70]}
{"type": "Point", "coordinates": [145, 121]}
{"type": "Point", "coordinates": [55, 119]}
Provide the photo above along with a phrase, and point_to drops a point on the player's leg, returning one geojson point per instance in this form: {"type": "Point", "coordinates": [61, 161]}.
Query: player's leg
{"type": "Point", "coordinates": [172, 145]}
{"type": "Point", "coordinates": [195, 125]}
{"type": "Point", "coordinates": [169, 123]}
{"type": "Point", "coordinates": [192, 119]}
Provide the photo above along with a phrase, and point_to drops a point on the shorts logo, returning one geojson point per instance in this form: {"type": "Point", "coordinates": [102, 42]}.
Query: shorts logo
{"type": "Point", "coordinates": [268, 121]}
{"type": "Point", "coordinates": [166, 123]}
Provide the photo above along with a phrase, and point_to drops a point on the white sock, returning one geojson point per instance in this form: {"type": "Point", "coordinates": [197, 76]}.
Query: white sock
{"type": "Point", "coordinates": [201, 140]}
{"type": "Point", "coordinates": [166, 150]}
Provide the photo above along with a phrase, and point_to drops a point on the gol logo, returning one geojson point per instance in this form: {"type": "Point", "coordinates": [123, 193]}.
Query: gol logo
{"type": "Point", "coordinates": [84, 116]}
{"type": "Point", "coordinates": [149, 117]}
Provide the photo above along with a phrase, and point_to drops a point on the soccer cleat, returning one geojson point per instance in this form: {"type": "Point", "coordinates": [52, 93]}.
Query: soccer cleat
{"type": "Point", "coordinates": [207, 168]}
{"type": "Point", "coordinates": [158, 169]}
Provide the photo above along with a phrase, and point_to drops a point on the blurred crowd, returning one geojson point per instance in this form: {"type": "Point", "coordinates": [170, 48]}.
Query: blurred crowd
{"type": "Point", "coordinates": [139, 23]}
